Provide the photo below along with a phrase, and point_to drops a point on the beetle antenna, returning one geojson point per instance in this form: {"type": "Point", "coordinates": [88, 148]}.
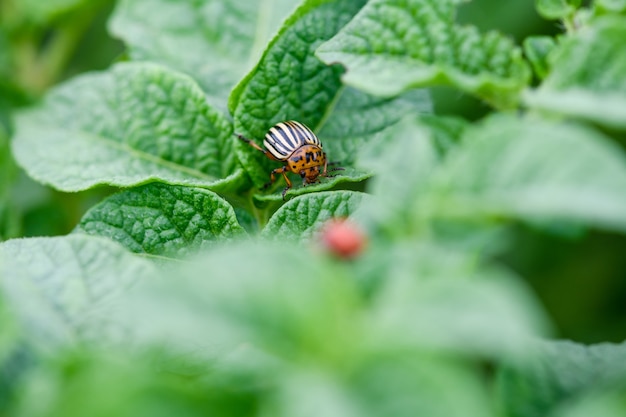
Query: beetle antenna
{"type": "Point", "coordinates": [245, 139]}
{"type": "Point", "coordinates": [254, 145]}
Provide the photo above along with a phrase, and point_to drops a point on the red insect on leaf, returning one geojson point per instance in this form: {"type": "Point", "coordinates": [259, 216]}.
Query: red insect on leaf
{"type": "Point", "coordinates": [343, 238]}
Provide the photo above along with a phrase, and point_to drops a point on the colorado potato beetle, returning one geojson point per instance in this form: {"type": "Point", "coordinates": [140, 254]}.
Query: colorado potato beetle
{"type": "Point", "coordinates": [297, 146]}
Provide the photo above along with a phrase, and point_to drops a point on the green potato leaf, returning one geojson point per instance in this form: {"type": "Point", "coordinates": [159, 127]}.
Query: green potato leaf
{"type": "Point", "coordinates": [160, 219]}
{"type": "Point", "coordinates": [358, 117]}
{"type": "Point", "coordinates": [537, 49]}
{"type": "Point", "coordinates": [559, 373]}
{"type": "Point", "coordinates": [506, 168]}
{"type": "Point", "coordinates": [63, 289]}
{"type": "Point", "coordinates": [43, 12]}
{"type": "Point", "coordinates": [286, 317]}
{"type": "Point", "coordinates": [301, 217]}
{"type": "Point", "coordinates": [347, 174]}
{"type": "Point", "coordinates": [531, 170]}
{"type": "Point", "coordinates": [393, 46]}
{"type": "Point", "coordinates": [431, 296]}
{"type": "Point", "coordinates": [131, 125]}
{"type": "Point", "coordinates": [610, 6]}
{"type": "Point", "coordinates": [404, 158]}
{"type": "Point", "coordinates": [412, 386]}
{"type": "Point", "coordinates": [556, 9]}
{"type": "Point", "coordinates": [588, 76]}
{"type": "Point", "coordinates": [254, 291]}
{"type": "Point", "coordinates": [213, 41]}
{"type": "Point", "coordinates": [609, 403]}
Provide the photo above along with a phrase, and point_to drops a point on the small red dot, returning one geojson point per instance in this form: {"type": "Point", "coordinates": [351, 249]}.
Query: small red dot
{"type": "Point", "coordinates": [343, 238]}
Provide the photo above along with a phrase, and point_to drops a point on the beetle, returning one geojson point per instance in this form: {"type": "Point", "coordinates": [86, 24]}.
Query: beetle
{"type": "Point", "coordinates": [297, 146]}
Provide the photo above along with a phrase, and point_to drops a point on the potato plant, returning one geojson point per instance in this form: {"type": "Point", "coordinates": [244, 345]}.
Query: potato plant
{"type": "Point", "coordinates": [184, 287]}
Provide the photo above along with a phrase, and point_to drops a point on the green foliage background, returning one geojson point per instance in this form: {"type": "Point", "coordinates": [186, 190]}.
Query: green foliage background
{"type": "Point", "coordinates": [143, 271]}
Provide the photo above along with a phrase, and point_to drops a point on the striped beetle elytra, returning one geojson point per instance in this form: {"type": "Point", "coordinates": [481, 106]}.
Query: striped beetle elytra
{"type": "Point", "coordinates": [298, 148]}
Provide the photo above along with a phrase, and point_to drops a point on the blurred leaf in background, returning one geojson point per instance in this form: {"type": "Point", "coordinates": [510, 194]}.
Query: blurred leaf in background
{"type": "Point", "coordinates": [215, 42]}
{"type": "Point", "coordinates": [42, 43]}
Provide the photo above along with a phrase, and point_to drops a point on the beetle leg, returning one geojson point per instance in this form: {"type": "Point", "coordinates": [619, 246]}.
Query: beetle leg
{"type": "Point", "coordinates": [328, 175]}
{"type": "Point", "coordinates": [284, 172]}
{"type": "Point", "coordinates": [272, 180]}
{"type": "Point", "coordinates": [332, 169]}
